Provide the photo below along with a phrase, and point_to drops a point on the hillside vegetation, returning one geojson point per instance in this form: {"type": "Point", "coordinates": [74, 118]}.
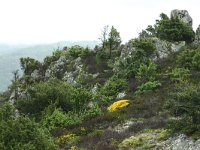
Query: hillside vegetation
{"type": "Point", "coordinates": [10, 57]}
{"type": "Point", "coordinates": [136, 95]}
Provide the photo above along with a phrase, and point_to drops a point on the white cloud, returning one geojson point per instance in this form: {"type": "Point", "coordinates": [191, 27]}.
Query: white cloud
{"type": "Point", "coordinates": [26, 21]}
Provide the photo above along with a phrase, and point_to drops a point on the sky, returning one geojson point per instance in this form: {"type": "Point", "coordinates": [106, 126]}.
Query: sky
{"type": "Point", "coordinates": [48, 21]}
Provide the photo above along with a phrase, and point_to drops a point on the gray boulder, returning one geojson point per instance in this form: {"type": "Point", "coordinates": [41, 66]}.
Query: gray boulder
{"type": "Point", "coordinates": [183, 15]}
{"type": "Point", "coordinates": [78, 65]}
{"type": "Point", "coordinates": [121, 95]}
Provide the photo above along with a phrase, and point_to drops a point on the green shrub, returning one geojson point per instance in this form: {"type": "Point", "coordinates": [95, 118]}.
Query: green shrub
{"type": "Point", "coordinates": [21, 133]}
{"type": "Point", "coordinates": [146, 72]}
{"type": "Point", "coordinates": [179, 74]}
{"type": "Point", "coordinates": [146, 44]}
{"type": "Point", "coordinates": [79, 98]}
{"type": "Point", "coordinates": [184, 104]}
{"type": "Point", "coordinates": [196, 59]}
{"type": "Point", "coordinates": [112, 87]}
{"type": "Point", "coordinates": [60, 119]}
{"type": "Point", "coordinates": [184, 125]}
{"type": "Point", "coordinates": [189, 58]}
{"type": "Point", "coordinates": [41, 95]}
{"type": "Point", "coordinates": [185, 58]}
{"type": "Point", "coordinates": [147, 87]}
{"type": "Point", "coordinates": [173, 29]}
{"type": "Point", "coordinates": [101, 56]}
{"type": "Point", "coordinates": [92, 112]}
{"type": "Point", "coordinates": [78, 51]}
{"type": "Point", "coordinates": [54, 118]}
{"type": "Point", "coordinates": [28, 65]}
{"type": "Point", "coordinates": [55, 56]}
{"type": "Point", "coordinates": [144, 52]}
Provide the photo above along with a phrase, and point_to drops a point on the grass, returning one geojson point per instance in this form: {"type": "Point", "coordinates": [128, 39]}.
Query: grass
{"type": "Point", "coordinates": [145, 139]}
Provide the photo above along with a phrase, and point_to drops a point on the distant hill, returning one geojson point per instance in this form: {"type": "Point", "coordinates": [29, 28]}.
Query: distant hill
{"type": "Point", "coordinates": [10, 55]}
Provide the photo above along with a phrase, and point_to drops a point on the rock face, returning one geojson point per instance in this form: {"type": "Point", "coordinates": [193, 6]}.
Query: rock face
{"type": "Point", "coordinates": [165, 48]}
{"type": "Point", "coordinates": [56, 67]}
{"type": "Point", "coordinates": [182, 142]}
{"type": "Point", "coordinates": [183, 15]}
{"type": "Point", "coordinates": [69, 77]}
{"type": "Point", "coordinates": [125, 53]}
{"type": "Point", "coordinates": [162, 48]}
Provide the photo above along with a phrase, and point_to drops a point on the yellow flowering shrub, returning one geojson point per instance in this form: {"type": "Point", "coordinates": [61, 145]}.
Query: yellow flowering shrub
{"type": "Point", "coordinates": [117, 105]}
{"type": "Point", "coordinates": [73, 148]}
{"type": "Point", "coordinates": [67, 138]}
{"type": "Point", "coordinates": [83, 131]}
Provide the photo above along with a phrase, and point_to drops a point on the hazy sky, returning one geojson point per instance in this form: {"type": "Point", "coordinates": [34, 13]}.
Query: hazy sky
{"type": "Point", "coordinates": [38, 21]}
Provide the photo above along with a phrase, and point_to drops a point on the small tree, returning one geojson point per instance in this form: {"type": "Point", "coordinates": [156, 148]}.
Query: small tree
{"type": "Point", "coordinates": [114, 40]}
{"type": "Point", "coordinates": [15, 83]}
{"type": "Point", "coordinates": [146, 72]}
{"type": "Point", "coordinates": [28, 65]}
{"type": "Point", "coordinates": [103, 37]}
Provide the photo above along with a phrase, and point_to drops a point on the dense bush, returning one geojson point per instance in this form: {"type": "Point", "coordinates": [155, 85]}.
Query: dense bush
{"type": "Point", "coordinates": [185, 58]}
{"type": "Point", "coordinates": [143, 53]}
{"type": "Point", "coordinates": [196, 59]}
{"type": "Point", "coordinates": [21, 133]}
{"type": "Point", "coordinates": [146, 44]}
{"type": "Point", "coordinates": [60, 119]}
{"type": "Point", "coordinates": [101, 56]}
{"type": "Point", "coordinates": [172, 29]}
{"type": "Point", "coordinates": [189, 58]}
{"type": "Point", "coordinates": [184, 103]}
{"type": "Point", "coordinates": [147, 87]}
{"type": "Point", "coordinates": [179, 74]}
{"type": "Point", "coordinates": [112, 87]}
{"type": "Point", "coordinates": [28, 65]}
{"type": "Point", "coordinates": [54, 118]}
{"type": "Point", "coordinates": [146, 72]}
{"type": "Point", "coordinates": [43, 94]}
{"type": "Point", "coordinates": [55, 56]}
{"type": "Point", "coordinates": [78, 51]}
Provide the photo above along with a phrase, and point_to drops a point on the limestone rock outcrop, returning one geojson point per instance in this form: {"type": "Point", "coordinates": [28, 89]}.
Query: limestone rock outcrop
{"type": "Point", "coordinates": [183, 15]}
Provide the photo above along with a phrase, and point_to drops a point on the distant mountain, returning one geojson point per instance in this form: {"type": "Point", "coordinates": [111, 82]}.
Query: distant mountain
{"type": "Point", "coordinates": [10, 55]}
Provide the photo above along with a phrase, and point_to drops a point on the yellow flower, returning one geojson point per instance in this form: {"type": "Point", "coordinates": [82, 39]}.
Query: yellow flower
{"type": "Point", "coordinates": [117, 105]}
{"type": "Point", "coordinates": [83, 129]}
{"type": "Point", "coordinates": [73, 148]}
{"type": "Point", "coordinates": [67, 137]}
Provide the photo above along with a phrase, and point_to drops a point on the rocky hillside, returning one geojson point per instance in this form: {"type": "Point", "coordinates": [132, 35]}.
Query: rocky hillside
{"type": "Point", "coordinates": [10, 55]}
{"type": "Point", "coordinates": [144, 94]}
